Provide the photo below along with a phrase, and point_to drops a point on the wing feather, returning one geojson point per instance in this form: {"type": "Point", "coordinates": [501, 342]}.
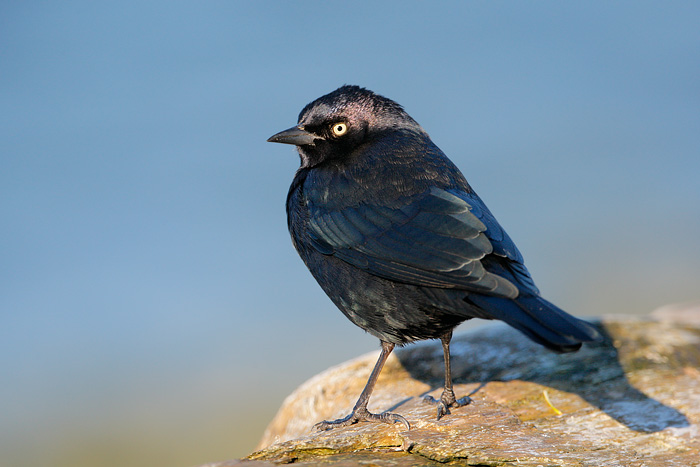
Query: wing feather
{"type": "Point", "coordinates": [437, 239]}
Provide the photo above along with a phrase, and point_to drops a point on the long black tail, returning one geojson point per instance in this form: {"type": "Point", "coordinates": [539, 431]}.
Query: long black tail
{"type": "Point", "coordinates": [539, 320]}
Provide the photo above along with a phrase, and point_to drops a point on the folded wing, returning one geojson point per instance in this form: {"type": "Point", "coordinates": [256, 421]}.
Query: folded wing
{"type": "Point", "coordinates": [438, 239]}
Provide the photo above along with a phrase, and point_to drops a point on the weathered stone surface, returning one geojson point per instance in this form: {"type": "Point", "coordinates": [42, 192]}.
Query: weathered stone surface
{"type": "Point", "coordinates": [633, 400]}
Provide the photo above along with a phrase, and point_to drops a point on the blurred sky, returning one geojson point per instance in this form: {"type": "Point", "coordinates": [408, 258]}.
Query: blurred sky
{"type": "Point", "coordinates": [152, 308]}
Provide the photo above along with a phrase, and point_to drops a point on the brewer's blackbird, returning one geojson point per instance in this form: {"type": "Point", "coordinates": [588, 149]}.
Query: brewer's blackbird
{"type": "Point", "coordinates": [399, 241]}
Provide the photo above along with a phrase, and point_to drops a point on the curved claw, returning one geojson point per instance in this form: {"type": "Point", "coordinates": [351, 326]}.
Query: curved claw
{"type": "Point", "coordinates": [392, 418]}
{"type": "Point", "coordinates": [447, 400]}
{"type": "Point", "coordinates": [442, 408]}
{"type": "Point", "coordinates": [362, 414]}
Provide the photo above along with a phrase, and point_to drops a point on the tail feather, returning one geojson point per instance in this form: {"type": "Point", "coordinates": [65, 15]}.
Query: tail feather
{"type": "Point", "coordinates": [538, 319]}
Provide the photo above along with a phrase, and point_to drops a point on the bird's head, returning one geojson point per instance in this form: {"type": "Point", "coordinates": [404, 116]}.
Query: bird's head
{"type": "Point", "coordinates": [334, 125]}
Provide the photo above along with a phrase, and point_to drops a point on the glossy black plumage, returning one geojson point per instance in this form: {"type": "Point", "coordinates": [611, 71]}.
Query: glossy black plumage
{"type": "Point", "coordinates": [397, 238]}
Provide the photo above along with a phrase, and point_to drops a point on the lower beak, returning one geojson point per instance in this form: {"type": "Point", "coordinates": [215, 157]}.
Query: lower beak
{"type": "Point", "coordinates": [293, 135]}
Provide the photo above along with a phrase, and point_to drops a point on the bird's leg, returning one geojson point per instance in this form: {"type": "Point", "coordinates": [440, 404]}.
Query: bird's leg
{"type": "Point", "coordinates": [360, 412]}
{"type": "Point", "coordinates": [447, 399]}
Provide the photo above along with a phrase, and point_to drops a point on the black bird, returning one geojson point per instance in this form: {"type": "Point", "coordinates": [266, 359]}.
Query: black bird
{"type": "Point", "coordinates": [394, 234]}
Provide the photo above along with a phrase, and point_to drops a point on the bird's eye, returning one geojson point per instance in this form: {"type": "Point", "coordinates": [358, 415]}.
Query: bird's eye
{"type": "Point", "coordinates": [339, 129]}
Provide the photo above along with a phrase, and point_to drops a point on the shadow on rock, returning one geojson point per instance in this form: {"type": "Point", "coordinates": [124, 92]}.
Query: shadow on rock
{"type": "Point", "coordinates": [604, 374]}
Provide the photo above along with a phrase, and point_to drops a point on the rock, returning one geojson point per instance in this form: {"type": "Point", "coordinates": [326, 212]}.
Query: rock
{"type": "Point", "coordinates": [688, 313]}
{"type": "Point", "coordinates": [632, 400]}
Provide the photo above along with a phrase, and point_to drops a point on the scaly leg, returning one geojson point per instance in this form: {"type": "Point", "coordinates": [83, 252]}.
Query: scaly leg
{"type": "Point", "coordinates": [447, 399]}
{"type": "Point", "coordinates": [360, 412]}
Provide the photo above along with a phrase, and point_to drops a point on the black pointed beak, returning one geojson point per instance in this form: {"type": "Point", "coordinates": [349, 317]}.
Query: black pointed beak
{"type": "Point", "coordinates": [293, 135]}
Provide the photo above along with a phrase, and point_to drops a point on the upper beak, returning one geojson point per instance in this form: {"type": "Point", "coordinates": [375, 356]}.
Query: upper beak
{"type": "Point", "coordinates": [293, 135]}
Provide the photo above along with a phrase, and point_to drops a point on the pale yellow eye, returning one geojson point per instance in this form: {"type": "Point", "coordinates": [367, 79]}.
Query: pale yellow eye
{"type": "Point", "coordinates": [339, 129]}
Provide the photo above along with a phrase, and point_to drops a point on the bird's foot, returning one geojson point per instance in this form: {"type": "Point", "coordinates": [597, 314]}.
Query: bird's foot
{"type": "Point", "coordinates": [447, 400]}
{"type": "Point", "coordinates": [362, 414]}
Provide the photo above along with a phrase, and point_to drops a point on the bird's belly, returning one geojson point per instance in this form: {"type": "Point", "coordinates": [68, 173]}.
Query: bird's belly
{"type": "Point", "coordinates": [391, 311]}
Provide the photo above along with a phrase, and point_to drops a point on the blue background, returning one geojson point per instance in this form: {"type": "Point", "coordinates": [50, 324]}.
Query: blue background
{"type": "Point", "coordinates": [152, 308]}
